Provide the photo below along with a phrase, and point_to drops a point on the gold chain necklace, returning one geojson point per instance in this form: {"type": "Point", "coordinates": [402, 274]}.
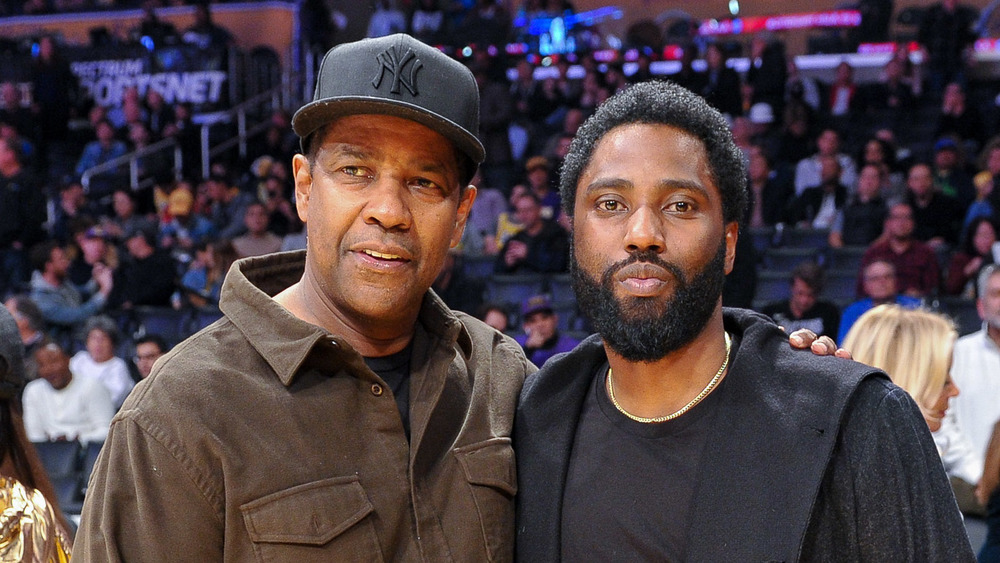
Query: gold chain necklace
{"type": "Point", "coordinates": [704, 393]}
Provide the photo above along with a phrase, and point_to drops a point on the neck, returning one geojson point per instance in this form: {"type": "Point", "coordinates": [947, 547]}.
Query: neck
{"type": "Point", "coordinates": [661, 387]}
{"type": "Point", "coordinates": [370, 337]}
{"type": "Point", "coordinates": [993, 333]}
{"type": "Point", "coordinates": [899, 245]}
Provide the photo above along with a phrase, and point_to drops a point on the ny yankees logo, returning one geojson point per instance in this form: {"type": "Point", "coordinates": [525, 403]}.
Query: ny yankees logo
{"type": "Point", "coordinates": [391, 60]}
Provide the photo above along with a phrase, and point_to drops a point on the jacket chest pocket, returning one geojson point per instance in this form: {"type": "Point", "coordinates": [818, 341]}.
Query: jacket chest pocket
{"type": "Point", "coordinates": [492, 475]}
{"type": "Point", "coordinates": [322, 521]}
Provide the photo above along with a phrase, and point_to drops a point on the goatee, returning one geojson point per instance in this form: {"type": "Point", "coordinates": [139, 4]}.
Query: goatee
{"type": "Point", "coordinates": [645, 329]}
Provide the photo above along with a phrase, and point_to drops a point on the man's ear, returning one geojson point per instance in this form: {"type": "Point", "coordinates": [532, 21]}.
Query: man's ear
{"type": "Point", "coordinates": [732, 235]}
{"type": "Point", "coordinates": [302, 173]}
{"type": "Point", "coordinates": [468, 197]}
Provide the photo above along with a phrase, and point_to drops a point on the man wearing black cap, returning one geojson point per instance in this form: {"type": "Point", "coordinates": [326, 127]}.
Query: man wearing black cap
{"type": "Point", "coordinates": [339, 411]}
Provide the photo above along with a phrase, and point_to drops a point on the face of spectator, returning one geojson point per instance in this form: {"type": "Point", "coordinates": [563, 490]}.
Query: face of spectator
{"type": "Point", "coordinates": [10, 95]}
{"type": "Point", "coordinates": [989, 303]}
{"type": "Point", "coordinates": [256, 219]}
{"type": "Point", "coordinates": [53, 366]}
{"type": "Point", "coordinates": [945, 159]}
{"type": "Point", "coordinates": [105, 134]}
{"type": "Point", "coordinates": [528, 212]}
{"type": "Point", "coordinates": [935, 412]}
{"type": "Point", "coordinates": [920, 181]}
{"type": "Point", "coordinates": [382, 205]}
{"type": "Point", "coordinates": [879, 281]}
{"type": "Point", "coordinates": [146, 354]}
{"type": "Point", "coordinates": [802, 298]}
{"type": "Point", "coordinates": [828, 143]}
{"type": "Point", "coordinates": [993, 162]}
{"type": "Point", "coordinates": [873, 152]}
{"type": "Point", "coordinates": [138, 247]}
{"type": "Point", "coordinates": [983, 238]}
{"type": "Point", "coordinates": [543, 323]}
{"type": "Point", "coordinates": [8, 158]}
{"type": "Point", "coordinates": [899, 224]}
{"type": "Point", "coordinates": [93, 248]}
{"type": "Point", "coordinates": [953, 93]}
{"type": "Point", "coordinates": [759, 169]}
{"type": "Point", "coordinates": [538, 177]}
{"type": "Point", "coordinates": [496, 319]}
{"type": "Point", "coordinates": [154, 99]}
{"type": "Point", "coordinates": [123, 205]}
{"type": "Point", "coordinates": [58, 263]}
{"type": "Point", "coordinates": [869, 182]}
{"type": "Point", "coordinates": [713, 57]}
{"type": "Point", "coordinates": [99, 345]}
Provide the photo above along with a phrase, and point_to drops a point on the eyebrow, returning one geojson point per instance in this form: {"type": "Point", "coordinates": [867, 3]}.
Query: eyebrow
{"type": "Point", "coordinates": [668, 184]}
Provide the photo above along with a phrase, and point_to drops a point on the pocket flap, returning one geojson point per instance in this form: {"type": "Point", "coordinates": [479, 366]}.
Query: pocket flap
{"type": "Point", "coordinates": [311, 514]}
{"type": "Point", "coordinates": [490, 463]}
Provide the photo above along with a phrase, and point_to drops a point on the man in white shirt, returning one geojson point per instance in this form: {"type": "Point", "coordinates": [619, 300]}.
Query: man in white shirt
{"type": "Point", "coordinates": [976, 371]}
{"type": "Point", "coordinates": [58, 406]}
{"type": "Point", "coordinates": [808, 172]}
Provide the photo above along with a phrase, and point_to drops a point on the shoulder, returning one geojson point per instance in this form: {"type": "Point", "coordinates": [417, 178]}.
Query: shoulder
{"type": "Point", "coordinates": [562, 369]}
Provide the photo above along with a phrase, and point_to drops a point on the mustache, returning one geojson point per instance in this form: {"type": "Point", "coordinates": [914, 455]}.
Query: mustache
{"type": "Point", "coordinates": [642, 256]}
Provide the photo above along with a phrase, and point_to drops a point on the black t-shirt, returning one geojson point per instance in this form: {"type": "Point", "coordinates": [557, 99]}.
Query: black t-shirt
{"type": "Point", "coordinates": [629, 486]}
{"type": "Point", "coordinates": [395, 371]}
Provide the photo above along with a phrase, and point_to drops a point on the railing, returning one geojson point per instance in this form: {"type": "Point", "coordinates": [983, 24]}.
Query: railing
{"type": "Point", "coordinates": [133, 159]}
{"type": "Point", "coordinates": [240, 113]}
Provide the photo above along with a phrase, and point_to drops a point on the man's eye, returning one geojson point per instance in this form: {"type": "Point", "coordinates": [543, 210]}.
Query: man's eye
{"type": "Point", "coordinates": [680, 207]}
{"type": "Point", "coordinates": [609, 205]}
{"type": "Point", "coordinates": [353, 171]}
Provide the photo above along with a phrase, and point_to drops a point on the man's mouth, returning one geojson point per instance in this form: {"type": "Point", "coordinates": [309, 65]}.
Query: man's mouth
{"type": "Point", "coordinates": [382, 255]}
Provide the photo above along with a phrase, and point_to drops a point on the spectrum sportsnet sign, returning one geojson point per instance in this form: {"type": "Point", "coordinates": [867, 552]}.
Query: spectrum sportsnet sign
{"type": "Point", "coordinates": [179, 74]}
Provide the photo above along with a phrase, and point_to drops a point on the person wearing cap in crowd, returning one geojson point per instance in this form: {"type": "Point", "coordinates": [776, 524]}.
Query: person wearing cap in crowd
{"type": "Point", "coordinates": [182, 229]}
{"type": "Point", "coordinates": [541, 339]}
{"type": "Point", "coordinates": [537, 174]}
{"type": "Point", "coordinates": [950, 177]}
{"type": "Point", "coordinates": [339, 411]}
{"type": "Point", "coordinates": [32, 527]}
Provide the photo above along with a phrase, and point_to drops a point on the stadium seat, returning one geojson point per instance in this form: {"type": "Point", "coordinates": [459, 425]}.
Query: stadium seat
{"type": "Point", "coordinates": [513, 289]}
{"type": "Point", "coordinates": [61, 459]}
{"type": "Point", "coordinates": [786, 259]}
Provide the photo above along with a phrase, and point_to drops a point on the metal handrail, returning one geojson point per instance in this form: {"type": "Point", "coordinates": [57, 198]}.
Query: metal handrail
{"type": "Point", "coordinates": [240, 113]}
{"type": "Point", "coordinates": [132, 159]}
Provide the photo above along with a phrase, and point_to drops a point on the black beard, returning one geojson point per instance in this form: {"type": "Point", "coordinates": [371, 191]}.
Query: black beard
{"type": "Point", "coordinates": [645, 329]}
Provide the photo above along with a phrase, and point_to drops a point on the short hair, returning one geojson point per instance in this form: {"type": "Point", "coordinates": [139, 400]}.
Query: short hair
{"type": "Point", "coordinates": [41, 254]}
{"type": "Point", "coordinates": [983, 280]}
{"type": "Point", "coordinates": [873, 262]}
{"type": "Point", "coordinates": [104, 324]}
{"type": "Point", "coordinates": [913, 346]}
{"type": "Point", "coordinates": [663, 103]}
{"type": "Point", "coordinates": [811, 274]}
{"type": "Point", "coordinates": [26, 308]}
{"type": "Point", "coordinates": [160, 342]}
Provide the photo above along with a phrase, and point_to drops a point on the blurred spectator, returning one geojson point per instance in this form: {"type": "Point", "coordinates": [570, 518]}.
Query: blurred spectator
{"type": "Point", "coordinates": [802, 89]}
{"type": "Point", "coordinates": [60, 406]}
{"type": "Point", "coordinates": [258, 240]}
{"type": "Point", "coordinates": [228, 207]}
{"type": "Point", "coordinates": [148, 349]}
{"type": "Point", "coordinates": [13, 113]}
{"type": "Point", "coordinates": [878, 279]}
{"type": "Point", "coordinates": [881, 154]}
{"type": "Point", "coordinates": [916, 272]}
{"type": "Point", "coordinates": [93, 249]}
{"type": "Point", "coordinates": [844, 101]}
{"type": "Point", "coordinates": [542, 246]}
{"type": "Point", "coordinates": [804, 309]}
{"type": "Point", "coordinates": [946, 35]}
{"type": "Point", "coordinates": [33, 527]}
{"type": "Point", "coordinates": [722, 84]}
{"type": "Point", "coordinates": [202, 283]}
{"type": "Point", "coordinates": [539, 182]}
{"type": "Point", "coordinates": [541, 339]}
{"type": "Point", "coordinates": [98, 360]}
{"type": "Point", "coordinates": [974, 253]}
{"type": "Point", "coordinates": [981, 207]}
{"type": "Point", "coordinates": [281, 214]}
{"type": "Point", "coordinates": [860, 222]}
{"type": "Point", "coordinates": [950, 177]}
{"type": "Point", "coordinates": [156, 165]}
{"type": "Point", "coordinates": [183, 229]}
{"type": "Point", "coordinates": [768, 72]}
{"type": "Point", "coordinates": [455, 289]}
{"type": "Point", "coordinates": [481, 226]}
{"type": "Point", "coordinates": [808, 172]}
{"type": "Point", "coordinates": [130, 111]}
{"type": "Point", "coordinates": [959, 118]}
{"type": "Point", "coordinates": [186, 133]}
{"type": "Point", "coordinates": [160, 114]}
{"type": "Point", "coordinates": [937, 217]}
{"type": "Point", "coordinates": [769, 191]}
{"type": "Point", "coordinates": [126, 219]}
{"type": "Point", "coordinates": [60, 302]}
{"type": "Point", "coordinates": [687, 76]}
{"type": "Point", "coordinates": [146, 276]}
{"type": "Point", "coordinates": [795, 141]}
{"type": "Point", "coordinates": [817, 206]}
{"type": "Point", "coordinates": [31, 329]}
{"type": "Point", "coordinates": [495, 114]}
{"type": "Point", "coordinates": [22, 213]}
{"type": "Point", "coordinates": [71, 207]}
{"type": "Point", "coordinates": [205, 33]}
{"type": "Point", "coordinates": [386, 19]}
{"type": "Point", "coordinates": [55, 91]}
{"type": "Point", "coordinates": [161, 33]}
{"type": "Point", "coordinates": [892, 99]}
{"type": "Point", "coordinates": [106, 148]}
{"type": "Point", "coordinates": [495, 316]}
{"type": "Point", "coordinates": [427, 22]}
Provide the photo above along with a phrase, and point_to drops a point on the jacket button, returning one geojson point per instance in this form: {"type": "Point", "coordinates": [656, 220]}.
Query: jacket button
{"type": "Point", "coordinates": [376, 389]}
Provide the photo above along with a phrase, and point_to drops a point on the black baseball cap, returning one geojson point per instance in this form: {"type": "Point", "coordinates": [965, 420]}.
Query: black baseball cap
{"type": "Point", "coordinates": [396, 75]}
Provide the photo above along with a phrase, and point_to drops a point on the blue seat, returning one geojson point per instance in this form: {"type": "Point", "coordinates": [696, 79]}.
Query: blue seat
{"type": "Point", "coordinates": [963, 311]}
{"type": "Point", "coordinates": [798, 237]}
{"type": "Point", "coordinates": [60, 459]}
{"type": "Point", "coordinates": [840, 287]}
{"type": "Point", "coordinates": [478, 267]}
{"type": "Point", "coordinates": [514, 289]}
{"type": "Point", "coordinates": [845, 258]}
{"type": "Point", "coordinates": [561, 288]}
{"type": "Point", "coordinates": [772, 286]}
{"type": "Point", "coordinates": [169, 323]}
{"type": "Point", "coordinates": [786, 259]}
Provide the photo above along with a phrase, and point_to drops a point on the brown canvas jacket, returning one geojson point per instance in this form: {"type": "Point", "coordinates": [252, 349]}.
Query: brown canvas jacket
{"type": "Point", "coordinates": [265, 438]}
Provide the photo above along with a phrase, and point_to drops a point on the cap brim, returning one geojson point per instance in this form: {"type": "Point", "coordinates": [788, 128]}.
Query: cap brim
{"type": "Point", "coordinates": [310, 117]}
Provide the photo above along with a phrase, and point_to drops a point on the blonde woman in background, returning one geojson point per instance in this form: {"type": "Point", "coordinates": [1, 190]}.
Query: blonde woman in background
{"type": "Point", "coordinates": [914, 347]}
